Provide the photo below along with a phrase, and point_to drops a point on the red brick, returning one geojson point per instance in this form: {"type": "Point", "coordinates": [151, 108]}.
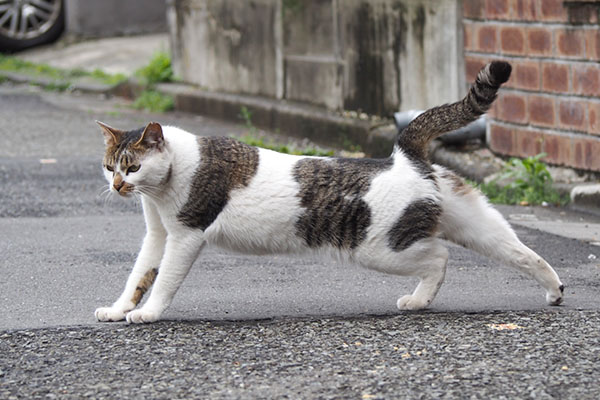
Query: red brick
{"type": "Point", "coordinates": [497, 9]}
{"type": "Point", "coordinates": [594, 117]}
{"type": "Point", "coordinates": [553, 10]}
{"type": "Point", "coordinates": [526, 75]}
{"type": "Point", "coordinates": [474, 9]}
{"type": "Point", "coordinates": [528, 142]}
{"type": "Point", "coordinates": [570, 43]}
{"type": "Point", "coordinates": [585, 153]}
{"type": "Point", "coordinates": [586, 80]}
{"type": "Point", "coordinates": [513, 107]}
{"type": "Point", "coordinates": [539, 41]}
{"type": "Point", "coordinates": [472, 66]}
{"type": "Point", "coordinates": [572, 114]}
{"type": "Point", "coordinates": [524, 10]}
{"type": "Point", "coordinates": [486, 39]}
{"type": "Point", "coordinates": [468, 37]}
{"type": "Point", "coordinates": [555, 77]}
{"type": "Point", "coordinates": [579, 13]}
{"type": "Point", "coordinates": [558, 148]}
{"type": "Point", "coordinates": [592, 44]}
{"type": "Point", "coordinates": [541, 110]}
{"type": "Point", "coordinates": [501, 139]}
{"type": "Point", "coordinates": [512, 40]}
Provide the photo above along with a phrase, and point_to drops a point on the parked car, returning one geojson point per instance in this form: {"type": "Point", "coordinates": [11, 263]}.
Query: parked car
{"type": "Point", "coordinates": [27, 23]}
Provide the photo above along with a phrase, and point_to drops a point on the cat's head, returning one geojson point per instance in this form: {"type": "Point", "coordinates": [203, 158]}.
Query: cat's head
{"type": "Point", "coordinates": [135, 161]}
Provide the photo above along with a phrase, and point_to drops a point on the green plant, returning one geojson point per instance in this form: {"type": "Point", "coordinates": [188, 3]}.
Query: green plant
{"type": "Point", "coordinates": [251, 139]}
{"type": "Point", "coordinates": [246, 116]}
{"type": "Point", "coordinates": [284, 148]}
{"type": "Point", "coordinates": [13, 64]}
{"type": "Point", "coordinates": [158, 70]}
{"type": "Point", "coordinates": [529, 180]}
{"type": "Point", "coordinates": [153, 101]}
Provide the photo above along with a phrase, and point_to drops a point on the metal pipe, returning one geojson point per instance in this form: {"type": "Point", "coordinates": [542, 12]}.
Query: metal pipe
{"type": "Point", "coordinates": [474, 130]}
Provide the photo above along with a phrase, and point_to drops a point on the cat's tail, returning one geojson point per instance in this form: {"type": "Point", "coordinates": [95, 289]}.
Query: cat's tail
{"type": "Point", "coordinates": [438, 120]}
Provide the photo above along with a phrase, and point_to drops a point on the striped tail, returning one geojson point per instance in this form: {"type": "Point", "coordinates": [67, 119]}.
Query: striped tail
{"type": "Point", "coordinates": [438, 120]}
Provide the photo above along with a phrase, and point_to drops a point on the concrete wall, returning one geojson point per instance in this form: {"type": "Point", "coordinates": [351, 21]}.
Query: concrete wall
{"type": "Point", "coordinates": [97, 18]}
{"type": "Point", "coordinates": [377, 56]}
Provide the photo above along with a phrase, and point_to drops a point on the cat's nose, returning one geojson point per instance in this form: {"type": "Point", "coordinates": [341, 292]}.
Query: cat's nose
{"type": "Point", "coordinates": [118, 185]}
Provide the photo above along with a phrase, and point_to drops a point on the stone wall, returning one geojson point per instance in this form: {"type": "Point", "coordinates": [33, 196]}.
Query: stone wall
{"type": "Point", "coordinates": [551, 103]}
{"type": "Point", "coordinates": [377, 56]}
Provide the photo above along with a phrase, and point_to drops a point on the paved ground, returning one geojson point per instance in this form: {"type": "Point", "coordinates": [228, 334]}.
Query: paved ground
{"type": "Point", "coordinates": [543, 355]}
{"type": "Point", "coordinates": [258, 326]}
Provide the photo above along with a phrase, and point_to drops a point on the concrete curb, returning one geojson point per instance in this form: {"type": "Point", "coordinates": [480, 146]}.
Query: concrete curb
{"type": "Point", "coordinates": [83, 84]}
{"type": "Point", "coordinates": [300, 120]}
{"type": "Point", "coordinates": [130, 88]}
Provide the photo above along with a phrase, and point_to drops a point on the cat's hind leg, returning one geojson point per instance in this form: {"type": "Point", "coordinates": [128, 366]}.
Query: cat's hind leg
{"type": "Point", "coordinates": [144, 271]}
{"type": "Point", "coordinates": [467, 219]}
{"type": "Point", "coordinates": [425, 259]}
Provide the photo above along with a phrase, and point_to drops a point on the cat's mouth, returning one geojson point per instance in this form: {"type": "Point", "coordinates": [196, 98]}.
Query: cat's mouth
{"type": "Point", "coordinates": [124, 190]}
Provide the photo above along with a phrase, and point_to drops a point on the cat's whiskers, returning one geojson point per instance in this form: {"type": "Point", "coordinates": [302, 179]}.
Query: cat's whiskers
{"type": "Point", "coordinates": [106, 196]}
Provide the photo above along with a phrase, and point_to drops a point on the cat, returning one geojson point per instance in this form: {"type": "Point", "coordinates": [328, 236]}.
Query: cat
{"type": "Point", "coordinates": [389, 215]}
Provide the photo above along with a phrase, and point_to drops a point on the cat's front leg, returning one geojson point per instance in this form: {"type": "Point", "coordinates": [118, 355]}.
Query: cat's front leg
{"type": "Point", "coordinates": [181, 251]}
{"type": "Point", "coordinates": [144, 271]}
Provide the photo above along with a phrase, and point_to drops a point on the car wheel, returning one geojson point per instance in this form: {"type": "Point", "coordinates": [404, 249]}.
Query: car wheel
{"type": "Point", "coordinates": [27, 23]}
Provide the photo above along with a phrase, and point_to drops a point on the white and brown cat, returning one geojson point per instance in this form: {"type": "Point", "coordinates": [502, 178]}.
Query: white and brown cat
{"type": "Point", "coordinates": [387, 214]}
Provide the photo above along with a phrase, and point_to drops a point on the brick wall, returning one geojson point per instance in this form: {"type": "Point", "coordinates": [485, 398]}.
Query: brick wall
{"type": "Point", "coordinates": [551, 103]}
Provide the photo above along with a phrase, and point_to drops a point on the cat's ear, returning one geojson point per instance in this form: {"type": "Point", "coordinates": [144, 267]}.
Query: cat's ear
{"type": "Point", "coordinates": [112, 135]}
{"type": "Point", "coordinates": [152, 137]}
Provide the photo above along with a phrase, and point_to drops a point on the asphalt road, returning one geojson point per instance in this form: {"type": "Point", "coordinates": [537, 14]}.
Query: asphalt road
{"type": "Point", "coordinates": [253, 327]}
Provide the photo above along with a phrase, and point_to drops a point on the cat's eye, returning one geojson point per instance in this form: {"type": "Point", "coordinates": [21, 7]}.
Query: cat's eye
{"type": "Point", "coordinates": [108, 167]}
{"type": "Point", "coordinates": [133, 168]}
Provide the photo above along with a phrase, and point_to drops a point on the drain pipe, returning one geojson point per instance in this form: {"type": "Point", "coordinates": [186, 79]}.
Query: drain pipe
{"type": "Point", "coordinates": [474, 130]}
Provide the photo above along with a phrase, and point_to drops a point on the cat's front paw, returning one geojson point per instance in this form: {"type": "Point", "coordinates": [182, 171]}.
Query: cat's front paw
{"type": "Point", "coordinates": [410, 302]}
{"type": "Point", "coordinates": [555, 297]}
{"type": "Point", "coordinates": [142, 316]}
{"type": "Point", "coordinates": [109, 314]}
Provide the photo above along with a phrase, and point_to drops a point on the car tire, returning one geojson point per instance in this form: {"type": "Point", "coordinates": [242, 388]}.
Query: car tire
{"type": "Point", "coordinates": [52, 32]}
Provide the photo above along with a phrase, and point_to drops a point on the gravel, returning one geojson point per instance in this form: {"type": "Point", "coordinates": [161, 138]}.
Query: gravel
{"type": "Point", "coordinates": [417, 355]}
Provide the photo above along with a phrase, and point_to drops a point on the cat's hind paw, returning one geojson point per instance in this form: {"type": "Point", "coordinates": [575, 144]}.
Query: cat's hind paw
{"type": "Point", "coordinates": [109, 314]}
{"type": "Point", "coordinates": [142, 316]}
{"type": "Point", "coordinates": [410, 302]}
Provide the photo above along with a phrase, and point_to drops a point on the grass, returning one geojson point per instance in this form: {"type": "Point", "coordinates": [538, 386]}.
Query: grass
{"type": "Point", "coordinates": [65, 77]}
{"type": "Point", "coordinates": [252, 139]}
{"type": "Point", "coordinates": [530, 184]}
{"type": "Point", "coordinates": [153, 101]}
{"type": "Point", "coordinates": [284, 148]}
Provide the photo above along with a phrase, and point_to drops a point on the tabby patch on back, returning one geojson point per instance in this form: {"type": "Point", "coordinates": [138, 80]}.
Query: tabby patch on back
{"type": "Point", "coordinates": [331, 193]}
{"type": "Point", "coordinates": [387, 215]}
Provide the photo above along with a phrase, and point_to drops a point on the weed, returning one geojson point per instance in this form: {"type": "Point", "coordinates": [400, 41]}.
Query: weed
{"type": "Point", "coordinates": [251, 139]}
{"type": "Point", "coordinates": [283, 148]}
{"type": "Point", "coordinates": [153, 101]}
{"type": "Point", "coordinates": [13, 64]}
{"type": "Point", "coordinates": [111, 79]}
{"type": "Point", "coordinates": [246, 115]}
{"type": "Point", "coordinates": [158, 70]}
{"type": "Point", "coordinates": [530, 183]}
